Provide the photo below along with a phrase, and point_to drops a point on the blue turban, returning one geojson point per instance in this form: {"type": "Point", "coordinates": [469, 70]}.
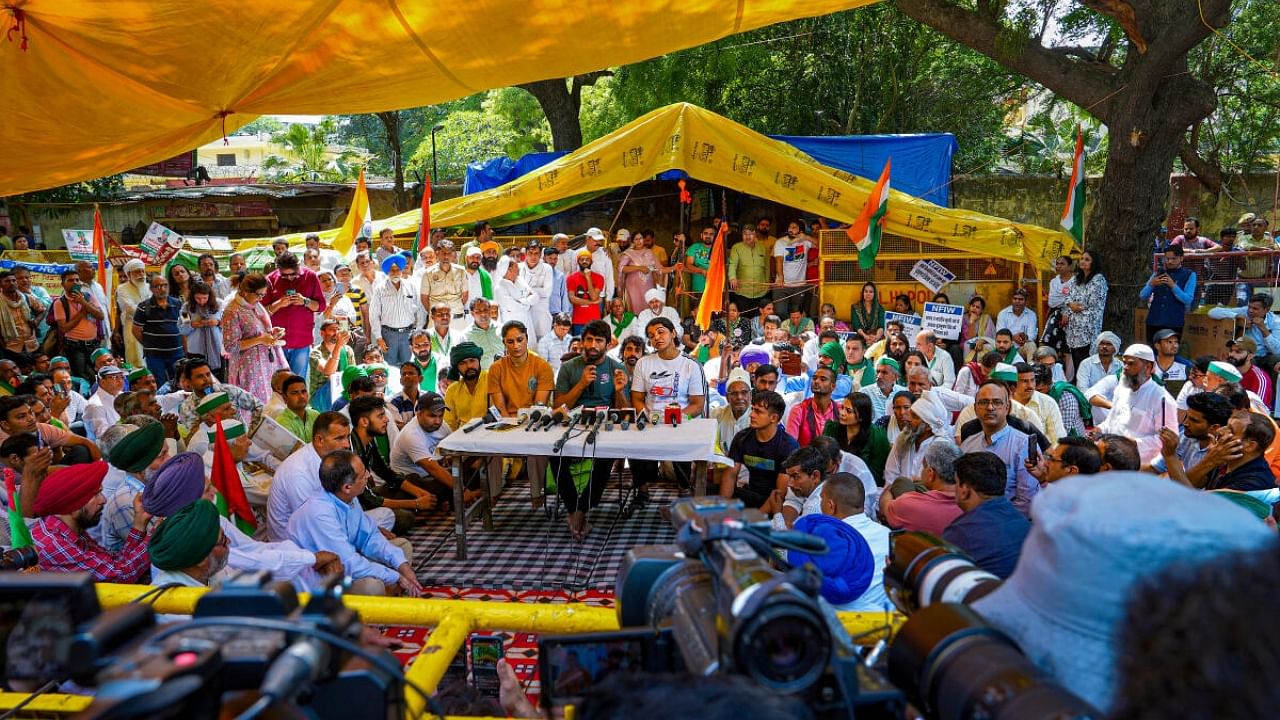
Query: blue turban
{"type": "Point", "coordinates": [394, 260]}
{"type": "Point", "coordinates": [753, 356]}
{"type": "Point", "coordinates": [848, 565]}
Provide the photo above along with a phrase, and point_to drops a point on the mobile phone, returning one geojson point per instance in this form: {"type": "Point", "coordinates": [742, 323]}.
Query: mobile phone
{"type": "Point", "coordinates": [290, 292]}
{"type": "Point", "coordinates": [1033, 451]}
{"type": "Point", "coordinates": [486, 651]}
{"type": "Point", "coordinates": [77, 288]}
{"type": "Point", "coordinates": [569, 665]}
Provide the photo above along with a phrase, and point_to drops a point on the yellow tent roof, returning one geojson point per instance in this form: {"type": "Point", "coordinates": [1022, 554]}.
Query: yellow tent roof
{"type": "Point", "coordinates": [102, 87]}
{"type": "Point", "coordinates": [717, 150]}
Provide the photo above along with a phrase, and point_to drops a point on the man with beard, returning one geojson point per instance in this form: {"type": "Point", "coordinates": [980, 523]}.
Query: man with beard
{"type": "Point", "coordinates": [585, 290]}
{"type": "Point", "coordinates": [208, 266]}
{"type": "Point", "coordinates": [479, 282]}
{"type": "Point", "coordinates": [99, 411]}
{"type": "Point", "coordinates": [424, 359]}
{"type": "Point", "coordinates": [1042, 406]}
{"type": "Point", "coordinates": [924, 423]}
{"type": "Point", "coordinates": [1005, 346]}
{"type": "Point", "coordinates": [811, 415]}
{"type": "Point", "coordinates": [392, 311]}
{"type": "Point", "coordinates": [414, 454]}
{"type": "Point", "coordinates": [601, 264]}
{"type": "Point", "coordinates": [20, 314]}
{"type": "Point", "coordinates": [1171, 368]}
{"type": "Point", "coordinates": [538, 276]}
{"type": "Point", "coordinates": [1206, 414]}
{"type": "Point", "coordinates": [369, 441]}
{"type": "Point", "coordinates": [444, 282]}
{"type": "Point", "coordinates": [483, 333]}
{"type": "Point", "coordinates": [657, 308]}
{"type": "Point", "coordinates": [200, 378]}
{"type": "Point", "coordinates": [1140, 407]}
{"type": "Point", "coordinates": [68, 502]}
{"type": "Point", "coordinates": [589, 380]}
{"type": "Point", "coordinates": [749, 266]}
{"type": "Point", "coordinates": [189, 548]}
{"type": "Point", "coordinates": [1013, 447]}
{"type": "Point", "coordinates": [489, 253]}
{"type": "Point", "coordinates": [885, 386]}
{"type": "Point", "coordinates": [1242, 353]}
{"type": "Point", "coordinates": [1102, 363]}
{"type": "Point", "coordinates": [129, 295]}
{"type": "Point", "coordinates": [631, 351]}
{"type": "Point", "coordinates": [134, 458]}
{"type": "Point", "coordinates": [732, 417]}
{"type": "Point", "coordinates": [469, 399]}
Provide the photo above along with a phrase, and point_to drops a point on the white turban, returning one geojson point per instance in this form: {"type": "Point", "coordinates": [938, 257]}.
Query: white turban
{"type": "Point", "coordinates": [134, 264]}
{"type": "Point", "coordinates": [504, 263]}
{"type": "Point", "coordinates": [655, 294]}
{"type": "Point", "coordinates": [931, 414]}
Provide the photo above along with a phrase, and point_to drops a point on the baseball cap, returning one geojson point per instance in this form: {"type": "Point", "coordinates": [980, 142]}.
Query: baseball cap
{"type": "Point", "coordinates": [596, 233]}
{"type": "Point", "coordinates": [1245, 342]}
{"type": "Point", "coordinates": [1140, 351]}
{"type": "Point", "coordinates": [429, 401]}
{"type": "Point", "coordinates": [108, 370]}
{"type": "Point", "coordinates": [1164, 335]}
{"type": "Point", "coordinates": [551, 250]}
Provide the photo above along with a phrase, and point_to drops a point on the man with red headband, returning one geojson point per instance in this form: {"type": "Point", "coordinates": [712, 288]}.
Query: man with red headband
{"type": "Point", "coordinates": [68, 503]}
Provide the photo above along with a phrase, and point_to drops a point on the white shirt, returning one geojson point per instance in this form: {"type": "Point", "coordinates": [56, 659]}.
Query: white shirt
{"type": "Point", "coordinates": [601, 263]}
{"type": "Point", "coordinates": [551, 348]}
{"type": "Point", "coordinates": [539, 281]}
{"type": "Point", "coordinates": [877, 536]}
{"type": "Point", "coordinates": [942, 369]}
{"type": "Point", "coordinates": [100, 412]}
{"type": "Point", "coordinates": [284, 559]}
{"type": "Point", "coordinates": [475, 288]}
{"type": "Point", "coordinates": [325, 522]}
{"type": "Point", "coordinates": [413, 444]}
{"type": "Point", "coordinates": [1140, 414]}
{"type": "Point", "coordinates": [638, 325]}
{"type": "Point", "coordinates": [1015, 323]}
{"type": "Point", "coordinates": [1058, 291]}
{"type": "Point", "coordinates": [906, 459]}
{"type": "Point", "coordinates": [391, 306]}
{"type": "Point", "coordinates": [855, 466]}
{"type": "Point", "coordinates": [1046, 408]}
{"type": "Point", "coordinates": [810, 504]}
{"type": "Point", "coordinates": [795, 258]}
{"type": "Point", "coordinates": [1091, 371]}
{"type": "Point", "coordinates": [514, 299]}
{"type": "Point", "coordinates": [668, 381]}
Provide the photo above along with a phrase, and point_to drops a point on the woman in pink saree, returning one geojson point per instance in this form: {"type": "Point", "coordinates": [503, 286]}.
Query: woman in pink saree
{"type": "Point", "coordinates": [249, 339]}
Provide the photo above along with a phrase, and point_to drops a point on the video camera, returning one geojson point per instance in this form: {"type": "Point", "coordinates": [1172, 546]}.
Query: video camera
{"type": "Point", "coordinates": [249, 645]}
{"type": "Point", "coordinates": [721, 600]}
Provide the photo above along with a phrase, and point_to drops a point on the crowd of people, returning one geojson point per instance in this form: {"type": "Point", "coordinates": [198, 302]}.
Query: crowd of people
{"type": "Point", "coordinates": [837, 424]}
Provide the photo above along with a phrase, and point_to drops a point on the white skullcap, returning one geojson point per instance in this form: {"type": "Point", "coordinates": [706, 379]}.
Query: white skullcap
{"type": "Point", "coordinates": [654, 294]}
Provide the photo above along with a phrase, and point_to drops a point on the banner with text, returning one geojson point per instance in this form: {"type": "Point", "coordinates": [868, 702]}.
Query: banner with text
{"type": "Point", "coordinates": [158, 246]}
{"type": "Point", "coordinates": [932, 274]}
{"type": "Point", "coordinates": [943, 320]}
{"type": "Point", "coordinates": [911, 324]}
{"type": "Point", "coordinates": [79, 243]}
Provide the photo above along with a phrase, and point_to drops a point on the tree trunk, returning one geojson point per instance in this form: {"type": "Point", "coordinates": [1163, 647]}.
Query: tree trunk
{"type": "Point", "coordinates": [391, 126]}
{"type": "Point", "coordinates": [561, 101]}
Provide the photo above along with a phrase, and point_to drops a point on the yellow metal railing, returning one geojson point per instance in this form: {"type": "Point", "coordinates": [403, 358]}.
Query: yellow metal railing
{"type": "Point", "coordinates": [452, 621]}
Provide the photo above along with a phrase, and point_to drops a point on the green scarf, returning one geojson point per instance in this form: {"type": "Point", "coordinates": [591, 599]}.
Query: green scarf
{"type": "Point", "coordinates": [627, 317]}
{"type": "Point", "coordinates": [486, 284]}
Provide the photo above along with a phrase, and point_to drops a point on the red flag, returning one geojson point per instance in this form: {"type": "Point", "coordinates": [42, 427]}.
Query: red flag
{"type": "Point", "coordinates": [226, 479]}
{"type": "Point", "coordinates": [424, 229]}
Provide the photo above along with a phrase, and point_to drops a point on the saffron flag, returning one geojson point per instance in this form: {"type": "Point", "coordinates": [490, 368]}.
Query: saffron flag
{"type": "Point", "coordinates": [359, 222]}
{"type": "Point", "coordinates": [225, 476]}
{"type": "Point", "coordinates": [424, 225]}
{"type": "Point", "coordinates": [105, 276]}
{"type": "Point", "coordinates": [1073, 213]}
{"type": "Point", "coordinates": [867, 229]}
{"type": "Point", "coordinates": [713, 294]}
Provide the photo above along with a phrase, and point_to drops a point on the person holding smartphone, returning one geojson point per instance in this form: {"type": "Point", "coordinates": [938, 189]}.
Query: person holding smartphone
{"type": "Point", "coordinates": [1171, 290]}
{"type": "Point", "coordinates": [77, 316]}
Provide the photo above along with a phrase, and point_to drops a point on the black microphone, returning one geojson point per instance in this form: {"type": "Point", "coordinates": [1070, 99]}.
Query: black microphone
{"type": "Point", "coordinates": [599, 418]}
{"type": "Point", "coordinates": [534, 418]}
{"type": "Point", "coordinates": [642, 419]}
{"type": "Point", "coordinates": [556, 418]}
{"type": "Point", "coordinates": [613, 418]}
{"type": "Point", "coordinates": [473, 424]}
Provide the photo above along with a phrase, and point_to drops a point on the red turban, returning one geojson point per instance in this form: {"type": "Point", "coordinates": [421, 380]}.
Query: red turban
{"type": "Point", "coordinates": [69, 489]}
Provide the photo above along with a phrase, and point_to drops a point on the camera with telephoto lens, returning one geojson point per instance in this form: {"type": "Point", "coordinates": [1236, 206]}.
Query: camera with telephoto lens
{"type": "Point", "coordinates": [722, 601]}
{"type": "Point", "coordinates": [19, 559]}
{"type": "Point", "coordinates": [949, 662]}
{"type": "Point", "coordinates": [248, 644]}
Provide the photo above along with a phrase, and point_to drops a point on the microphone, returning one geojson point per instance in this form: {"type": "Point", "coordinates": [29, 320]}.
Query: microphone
{"type": "Point", "coordinates": [613, 418]}
{"type": "Point", "coordinates": [535, 417]}
{"type": "Point", "coordinates": [473, 425]}
{"type": "Point", "coordinates": [598, 420]}
{"type": "Point", "coordinates": [556, 418]}
{"type": "Point", "coordinates": [672, 416]}
{"type": "Point", "coordinates": [642, 419]}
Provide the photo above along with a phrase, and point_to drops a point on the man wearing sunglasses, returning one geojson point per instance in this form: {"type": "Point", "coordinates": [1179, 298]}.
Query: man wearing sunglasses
{"type": "Point", "coordinates": [293, 298]}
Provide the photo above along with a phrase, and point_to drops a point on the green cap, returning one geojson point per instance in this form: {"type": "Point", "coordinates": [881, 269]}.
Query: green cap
{"type": "Point", "coordinates": [137, 374]}
{"type": "Point", "coordinates": [231, 428]}
{"type": "Point", "coordinates": [889, 362]}
{"type": "Point", "coordinates": [212, 402]}
{"type": "Point", "coordinates": [1004, 372]}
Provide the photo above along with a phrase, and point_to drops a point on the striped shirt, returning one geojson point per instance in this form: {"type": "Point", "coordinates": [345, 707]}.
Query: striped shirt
{"type": "Point", "coordinates": [358, 300]}
{"type": "Point", "coordinates": [160, 334]}
{"type": "Point", "coordinates": [391, 306]}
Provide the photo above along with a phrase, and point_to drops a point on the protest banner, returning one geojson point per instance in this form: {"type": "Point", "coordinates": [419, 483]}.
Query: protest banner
{"type": "Point", "coordinates": [911, 325]}
{"type": "Point", "coordinates": [158, 246]}
{"type": "Point", "coordinates": [207, 243]}
{"type": "Point", "coordinates": [79, 243]}
{"type": "Point", "coordinates": [932, 274]}
{"type": "Point", "coordinates": [943, 320]}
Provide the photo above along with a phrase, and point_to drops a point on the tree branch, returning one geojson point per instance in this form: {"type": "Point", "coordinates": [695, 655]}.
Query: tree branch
{"type": "Point", "coordinates": [1085, 84]}
{"type": "Point", "coordinates": [1210, 175]}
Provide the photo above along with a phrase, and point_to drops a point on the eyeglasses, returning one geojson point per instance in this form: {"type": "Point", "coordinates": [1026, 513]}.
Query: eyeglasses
{"type": "Point", "coordinates": [989, 403]}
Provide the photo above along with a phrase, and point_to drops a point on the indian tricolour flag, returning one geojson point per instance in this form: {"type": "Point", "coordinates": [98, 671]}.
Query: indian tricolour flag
{"type": "Point", "coordinates": [865, 232]}
{"type": "Point", "coordinates": [1073, 214]}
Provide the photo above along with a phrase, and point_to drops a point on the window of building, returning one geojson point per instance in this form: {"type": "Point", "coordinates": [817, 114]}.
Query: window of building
{"type": "Point", "coordinates": [226, 159]}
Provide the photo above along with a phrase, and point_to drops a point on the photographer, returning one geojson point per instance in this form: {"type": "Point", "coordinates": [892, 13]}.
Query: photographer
{"type": "Point", "coordinates": [1092, 540]}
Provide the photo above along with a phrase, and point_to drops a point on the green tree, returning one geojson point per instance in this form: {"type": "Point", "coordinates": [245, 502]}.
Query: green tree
{"type": "Point", "coordinates": [467, 136]}
{"type": "Point", "coordinates": [1047, 144]}
{"type": "Point", "coordinates": [312, 155]}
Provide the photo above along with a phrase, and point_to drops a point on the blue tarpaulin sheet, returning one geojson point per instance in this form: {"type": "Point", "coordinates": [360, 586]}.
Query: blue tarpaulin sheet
{"type": "Point", "coordinates": [921, 163]}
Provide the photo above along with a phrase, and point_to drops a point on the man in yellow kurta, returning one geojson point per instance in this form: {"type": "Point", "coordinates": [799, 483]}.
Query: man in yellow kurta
{"type": "Point", "coordinates": [131, 292]}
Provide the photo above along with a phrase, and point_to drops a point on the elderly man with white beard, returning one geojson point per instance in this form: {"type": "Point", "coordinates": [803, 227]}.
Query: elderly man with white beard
{"type": "Point", "coordinates": [926, 422]}
{"type": "Point", "coordinates": [129, 295]}
{"type": "Point", "coordinates": [1140, 406]}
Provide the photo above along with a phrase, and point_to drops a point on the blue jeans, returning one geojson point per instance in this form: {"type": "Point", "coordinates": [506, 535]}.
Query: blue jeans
{"type": "Point", "coordinates": [397, 346]}
{"type": "Point", "coordinates": [299, 360]}
{"type": "Point", "coordinates": [162, 367]}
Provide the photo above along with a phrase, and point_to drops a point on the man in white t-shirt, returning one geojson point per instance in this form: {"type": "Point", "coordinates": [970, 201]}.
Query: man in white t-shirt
{"type": "Point", "coordinates": [414, 452]}
{"type": "Point", "coordinates": [662, 378]}
{"type": "Point", "coordinates": [844, 497]}
{"type": "Point", "coordinates": [791, 260]}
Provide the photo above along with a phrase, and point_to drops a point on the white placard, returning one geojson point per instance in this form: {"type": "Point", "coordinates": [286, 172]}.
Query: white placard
{"type": "Point", "coordinates": [944, 320]}
{"type": "Point", "coordinates": [932, 274]}
{"type": "Point", "coordinates": [911, 325]}
{"type": "Point", "coordinates": [208, 242]}
{"type": "Point", "coordinates": [79, 243]}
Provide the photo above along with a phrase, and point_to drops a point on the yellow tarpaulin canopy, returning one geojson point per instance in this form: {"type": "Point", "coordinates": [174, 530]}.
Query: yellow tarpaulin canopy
{"type": "Point", "coordinates": [93, 88]}
{"type": "Point", "coordinates": [717, 150]}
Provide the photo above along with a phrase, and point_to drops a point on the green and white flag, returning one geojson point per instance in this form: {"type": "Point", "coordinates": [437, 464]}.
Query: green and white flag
{"type": "Point", "coordinates": [1073, 214]}
{"type": "Point", "coordinates": [867, 229]}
